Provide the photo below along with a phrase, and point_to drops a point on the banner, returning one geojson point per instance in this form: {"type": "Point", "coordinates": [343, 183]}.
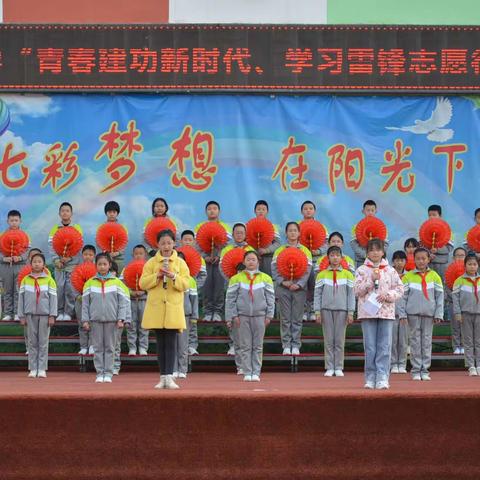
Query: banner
{"type": "Point", "coordinates": [403, 152]}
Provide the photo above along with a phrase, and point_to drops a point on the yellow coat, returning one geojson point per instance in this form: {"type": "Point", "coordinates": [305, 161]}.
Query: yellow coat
{"type": "Point", "coordinates": [164, 307]}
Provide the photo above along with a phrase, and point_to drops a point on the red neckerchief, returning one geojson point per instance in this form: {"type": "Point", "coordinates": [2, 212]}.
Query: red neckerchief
{"type": "Point", "coordinates": [37, 287]}
{"type": "Point", "coordinates": [251, 280]}
{"type": "Point", "coordinates": [334, 270]}
{"type": "Point", "coordinates": [475, 285]}
{"type": "Point", "coordinates": [424, 283]}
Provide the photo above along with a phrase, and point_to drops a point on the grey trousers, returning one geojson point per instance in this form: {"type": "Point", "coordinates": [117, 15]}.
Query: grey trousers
{"type": "Point", "coordinates": [399, 344]}
{"type": "Point", "coordinates": [455, 328]}
{"type": "Point", "coordinates": [213, 290]}
{"type": "Point", "coordinates": [117, 362]}
{"type": "Point", "coordinates": [421, 330]}
{"type": "Point", "coordinates": [291, 305]}
{"type": "Point", "coordinates": [65, 293]}
{"type": "Point", "coordinates": [9, 275]}
{"type": "Point", "coordinates": [334, 324]}
{"type": "Point", "coordinates": [193, 335]}
{"type": "Point", "coordinates": [181, 354]}
{"type": "Point", "coordinates": [250, 335]}
{"type": "Point", "coordinates": [310, 292]}
{"type": "Point", "coordinates": [38, 333]}
{"type": "Point", "coordinates": [83, 335]}
{"type": "Point", "coordinates": [103, 336]}
{"type": "Point", "coordinates": [471, 339]}
{"type": "Point", "coordinates": [235, 341]}
{"type": "Point", "coordinates": [134, 330]}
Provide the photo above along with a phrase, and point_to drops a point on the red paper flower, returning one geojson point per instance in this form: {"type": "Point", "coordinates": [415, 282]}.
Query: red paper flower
{"type": "Point", "coordinates": [67, 242]}
{"type": "Point", "coordinates": [473, 238]}
{"type": "Point", "coordinates": [325, 263]}
{"type": "Point", "coordinates": [454, 270]}
{"type": "Point", "coordinates": [81, 273]}
{"type": "Point", "coordinates": [410, 265]}
{"type": "Point", "coordinates": [231, 260]}
{"type": "Point", "coordinates": [155, 226]}
{"type": "Point", "coordinates": [211, 235]}
{"type": "Point", "coordinates": [292, 263]}
{"type": "Point", "coordinates": [312, 234]}
{"type": "Point", "coordinates": [192, 258]}
{"type": "Point", "coordinates": [132, 273]}
{"type": "Point", "coordinates": [112, 237]}
{"type": "Point", "coordinates": [260, 232]}
{"type": "Point", "coordinates": [14, 243]}
{"type": "Point", "coordinates": [435, 233]}
{"type": "Point", "coordinates": [369, 228]}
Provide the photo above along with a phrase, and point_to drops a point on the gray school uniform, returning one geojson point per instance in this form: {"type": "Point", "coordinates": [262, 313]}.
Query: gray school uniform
{"type": "Point", "coordinates": [442, 259]}
{"type": "Point", "coordinates": [455, 326]}
{"type": "Point", "coordinates": [83, 335]}
{"type": "Point", "coordinates": [193, 329]}
{"type": "Point", "coordinates": [117, 362]}
{"type": "Point", "coordinates": [135, 332]}
{"type": "Point", "coordinates": [266, 259]}
{"type": "Point", "coordinates": [291, 304]}
{"type": "Point", "coordinates": [251, 297]}
{"type": "Point", "coordinates": [399, 340]}
{"type": "Point", "coordinates": [37, 302]}
{"type": "Point", "coordinates": [190, 306]}
{"type": "Point", "coordinates": [102, 308]}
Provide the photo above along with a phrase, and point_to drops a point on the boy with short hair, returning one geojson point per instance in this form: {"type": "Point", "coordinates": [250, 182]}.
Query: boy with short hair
{"type": "Point", "coordinates": [9, 269]}
{"type": "Point", "coordinates": [64, 265]}
{"type": "Point", "coordinates": [476, 216]}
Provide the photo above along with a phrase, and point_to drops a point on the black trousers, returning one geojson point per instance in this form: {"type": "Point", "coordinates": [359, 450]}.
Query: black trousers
{"type": "Point", "coordinates": [166, 346]}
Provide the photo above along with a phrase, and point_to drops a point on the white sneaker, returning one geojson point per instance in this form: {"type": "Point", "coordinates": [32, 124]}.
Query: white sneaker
{"type": "Point", "coordinates": [32, 374]}
{"type": "Point", "coordinates": [217, 317]}
{"type": "Point", "coordinates": [369, 385]}
{"type": "Point", "coordinates": [116, 371]}
{"type": "Point", "coordinates": [472, 372]}
{"type": "Point", "coordinates": [182, 375]}
{"type": "Point", "coordinates": [478, 370]}
{"type": "Point", "coordinates": [402, 370]}
{"type": "Point", "coordinates": [329, 373]}
{"type": "Point", "coordinates": [247, 378]}
{"type": "Point", "coordinates": [339, 373]}
{"type": "Point", "coordinates": [16, 318]}
{"type": "Point", "coordinates": [7, 318]}
{"type": "Point", "coordinates": [161, 383]}
{"type": "Point", "coordinates": [66, 318]}
{"type": "Point", "coordinates": [59, 317]}
{"type": "Point", "coordinates": [462, 351]}
{"type": "Point", "coordinates": [83, 351]}
{"type": "Point", "coordinates": [382, 385]}
{"type": "Point", "coordinates": [313, 317]}
{"type": "Point", "coordinates": [91, 350]}
{"type": "Point", "coordinates": [132, 352]}
{"type": "Point", "coordinates": [192, 351]}
{"type": "Point", "coordinates": [255, 378]}
{"type": "Point", "coordinates": [425, 376]}
{"type": "Point", "coordinates": [305, 317]}
{"type": "Point", "coordinates": [239, 371]}
{"type": "Point", "coordinates": [394, 369]}
{"type": "Point", "coordinates": [295, 351]}
{"type": "Point", "coordinates": [107, 379]}
{"type": "Point", "coordinates": [207, 317]}
{"type": "Point", "coordinates": [42, 374]}
{"type": "Point", "coordinates": [286, 351]}
{"type": "Point", "coordinates": [231, 351]}
{"type": "Point", "coordinates": [99, 379]}
{"type": "Point", "coordinates": [170, 383]}
{"type": "Point", "coordinates": [408, 350]}
{"type": "Point", "coordinates": [175, 374]}
{"type": "Point", "coordinates": [143, 352]}
{"type": "Point", "coordinates": [416, 377]}
{"type": "Point", "coordinates": [457, 351]}
{"type": "Point", "coordinates": [26, 352]}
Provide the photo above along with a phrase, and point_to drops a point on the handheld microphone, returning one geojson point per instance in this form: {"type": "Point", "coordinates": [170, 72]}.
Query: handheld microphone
{"type": "Point", "coordinates": [376, 282]}
{"type": "Point", "coordinates": [165, 267]}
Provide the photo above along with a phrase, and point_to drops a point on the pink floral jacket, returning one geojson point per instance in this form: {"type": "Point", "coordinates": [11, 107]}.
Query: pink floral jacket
{"type": "Point", "coordinates": [389, 285]}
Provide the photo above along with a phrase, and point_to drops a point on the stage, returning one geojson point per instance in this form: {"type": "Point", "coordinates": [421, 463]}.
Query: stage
{"type": "Point", "coordinates": [288, 426]}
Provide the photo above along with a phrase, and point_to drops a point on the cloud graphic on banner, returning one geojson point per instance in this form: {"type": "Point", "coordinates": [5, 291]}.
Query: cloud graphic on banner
{"type": "Point", "coordinates": [440, 117]}
{"type": "Point", "coordinates": [34, 106]}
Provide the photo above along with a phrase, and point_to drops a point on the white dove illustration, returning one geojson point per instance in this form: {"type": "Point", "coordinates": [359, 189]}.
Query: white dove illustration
{"type": "Point", "coordinates": [440, 117]}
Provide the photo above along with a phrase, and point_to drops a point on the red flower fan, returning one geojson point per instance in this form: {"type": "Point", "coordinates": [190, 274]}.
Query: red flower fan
{"type": "Point", "coordinates": [434, 233]}
{"type": "Point", "coordinates": [132, 273]}
{"type": "Point", "coordinates": [312, 234]}
{"type": "Point", "coordinates": [112, 237]}
{"type": "Point", "coordinates": [473, 238]}
{"type": "Point", "coordinates": [325, 263]}
{"type": "Point", "coordinates": [81, 273]}
{"type": "Point", "coordinates": [14, 243]}
{"type": "Point", "coordinates": [454, 270]}
{"type": "Point", "coordinates": [292, 263]}
{"type": "Point", "coordinates": [26, 270]}
{"type": "Point", "coordinates": [211, 235]}
{"type": "Point", "coordinates": [67, 242]}
{"type": "Point", "coordinates": [410, 265]}
{"type": "Point", "coordinates": [231, 260]}
{"type": "Point", "coordinates": [155, 226]}
{"type": "Point", "coordinates": [192, 258]}
{"type": "Point", "coordinates": [260, 232]}
{"type": "Point", "coordinates": [369, 228]}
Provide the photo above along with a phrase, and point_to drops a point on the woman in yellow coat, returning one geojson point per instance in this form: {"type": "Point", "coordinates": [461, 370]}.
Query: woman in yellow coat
{"type": "Point", "coordinates": [165, 278]}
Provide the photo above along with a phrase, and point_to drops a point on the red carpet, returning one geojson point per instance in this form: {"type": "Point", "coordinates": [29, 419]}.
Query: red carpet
{"type": "Point", "coordinates": [289, 426]}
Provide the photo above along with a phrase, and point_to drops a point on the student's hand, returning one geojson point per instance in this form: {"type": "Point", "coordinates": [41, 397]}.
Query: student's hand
{"type": "Point", "coordinates": [382, 297]}
{"type": "Point", "coordinates": [51, 321]}
{"type": "Point", "coordinates": [458, 317]}
{"type": "Point", "coordinates": [433, 251]}
{"type": "Point", "coordinates": [229, 324]}
{"type": "Point", "coordinates": [114, 254]}
{"type": "Point", "coordinates": [262, 251]}
{"type": "Point", "coordinates": [23, 321]}
{"type": "Point", "coordinates": [287, 283]}
{"type": "Point", "coordinates": [208, 259]}
{"type": "Point", "coordinates": [236, 321]}
{"type": "Point", "coordinates": [267, 321]}
{"type": "Point", "coordinates": [318, 318]}
{"type": "Point", "coordinates": [316, 253]}
{"type": "Point", "coordinates": [7, 259]}
{"type": "Point", "coordinates": [86, 326]}
{"type": "Point", "coordinates": [167, 273]}
{"type": "Point", "coordinates": [120, 324]}
{"type": "Point", "coordinates": [215, 260]}
{"type": "Point", "coordinates": [17, 259]}
{"type": "Point", "coordinates": [294, 287]}
{"type": "Point", "coordinates": [403, 321]}
{"type": "Point", "coordinates": [437, 320]}
{"type": "Point", "coordinates": [376, 274]}
{"type": "Point", "coordinates": [349, 319]}
{"type": "Point", "coordinates": [58, 263]}
{"type": "Point", "coordinates": [65, 259]}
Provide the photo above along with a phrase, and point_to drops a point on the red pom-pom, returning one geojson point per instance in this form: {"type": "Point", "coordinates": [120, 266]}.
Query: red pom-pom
{"type": "Point", "coordinates": [325, 263]}
{"type": "Point", "coordinates": [473, 238]}
{"type": "Point", "coordinates": [410, 265]}
{"type": "Point", "coordinates": [231, 260]}
{"type": "Point", "coordinates": [435, 233]}
{"type": "Point", "coordinates": [312, 234]}
{"type": "Point", "coordinates": [26, 270]}
{"type": "Point", "coordinates": [155, 226]}
{"type": "Point", "coordinates": [132, 273]}
{"type": "Point", "coordinates": [292, 263]}
{"type": "Point", "coordinates": [260, 232]}
{"type": "Point", "coordinates": [211, 235]}
{"type": "Point", "coordinates": [112, 237]}
{"type": "Point", "coordinates": [454, 270]}
{"type": "Point", "coordinates": [81, 273]}
{"type": "Point", "coordinates": [369, 228]}
{"type": "Point", "coordinates": [67, 242]}
{"type": "Point", "coordinates": [192, 259]}
{"type": "Point", "coordinates": [14, 243]}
